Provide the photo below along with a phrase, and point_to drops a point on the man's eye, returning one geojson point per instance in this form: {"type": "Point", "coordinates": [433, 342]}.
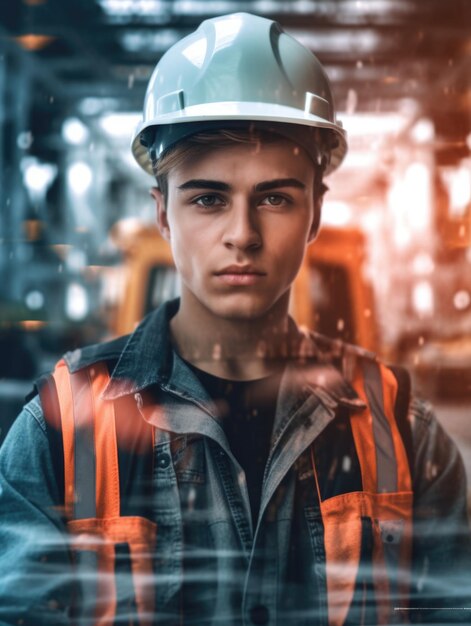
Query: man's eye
{"type": "Point", "coordinates": [207, 200]}
{"type": "Point", "coordinates": [275, 200]}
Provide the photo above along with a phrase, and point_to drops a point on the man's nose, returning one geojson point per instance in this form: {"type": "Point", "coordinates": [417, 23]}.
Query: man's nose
{"type": "Point", "coordinates": [242, 229]}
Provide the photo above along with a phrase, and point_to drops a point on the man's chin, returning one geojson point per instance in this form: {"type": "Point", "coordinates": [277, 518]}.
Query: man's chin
{"type": "Point", "coordinates": [243, 306]}
{"type": "Point", "coordinates": [242, 309]}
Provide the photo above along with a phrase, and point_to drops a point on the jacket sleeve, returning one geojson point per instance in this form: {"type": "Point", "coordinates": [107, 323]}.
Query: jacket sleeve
{"type": "Point", "coordinates": [442, 544]}
{"type": "Point", "coordinates": [36, 582]}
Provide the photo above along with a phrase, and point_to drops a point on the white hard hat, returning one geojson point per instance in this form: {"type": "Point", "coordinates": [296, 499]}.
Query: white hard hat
{"type": "Point", "coordinates": [234, 69]}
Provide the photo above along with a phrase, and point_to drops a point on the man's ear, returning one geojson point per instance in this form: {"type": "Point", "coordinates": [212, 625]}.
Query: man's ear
{"type": "Point", "coordinates": [161, 211]}
{"type": "Point", "coordinates": [319, 191]}
{"type": "Point", "coordinates": [316, 219]}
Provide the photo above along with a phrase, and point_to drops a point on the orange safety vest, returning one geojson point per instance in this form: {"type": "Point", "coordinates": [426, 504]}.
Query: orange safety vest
{"type": "Point", "coordinates": [94, 437]}
{"type": "Point", "coordinates": [367, 534]}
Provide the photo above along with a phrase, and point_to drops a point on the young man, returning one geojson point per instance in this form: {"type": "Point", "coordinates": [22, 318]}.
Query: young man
{"type": "Point", "coordinates": [218, 466]}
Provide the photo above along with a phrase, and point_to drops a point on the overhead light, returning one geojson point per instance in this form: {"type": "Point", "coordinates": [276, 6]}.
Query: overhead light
{"type": "Point", "coordinates": [208, 7]}
{"type": "Point", "coordinates": [76, 302]}
{"type": "Point", "coordinates": [361, 124]}
{"type": "Point", "coordinates": [134, 8]}
{"type": "Point", "coordinates": [122, 9]}
{"type": "Point", "coordinates": [410, 202]}
{"type": "Point", "coordinates": [418, 186]}
{"type": "Point", "coordinates": [360, 43]}
{"type": "Point", "coordinates": [268, 6]}
{"type": "Point", "coordinates": [423, 298]}
{"type": "Point", "coordinates": [458, 183]}
{"type": "Point", "coordinates": [461, 300]}
{"type": "Point", "coordinates": [74, 131]}
{"type": "Point", "coordinates": [423, 131]}
{"type": "Point", "coordinates": [94, 106]}
{"type": "Point", "coordinates": [361, 159]}
{"type": "Point", "coordinates": [34, 177]}
{"type": "Point", "coordinates": [25, 139]}
{"type": "Point", "coordinates": [295, 7]}
{"type": "Point", "coordinates": [80, 177]}
{"type": "Point", "coordinates": [119, 125]}
{"type": "Point", "coordinates": [37, 176]}
{"type": "Point", "coordinates": [149, 40]}
{"type": "Point", "coordinates": [34, 300]}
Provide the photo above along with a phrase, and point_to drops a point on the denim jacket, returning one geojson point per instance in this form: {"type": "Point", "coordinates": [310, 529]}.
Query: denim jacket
{"type": "Point", "coordinates": [211, 565]}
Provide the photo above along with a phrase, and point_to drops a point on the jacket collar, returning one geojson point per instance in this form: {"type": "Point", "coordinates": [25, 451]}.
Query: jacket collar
{"type": "Point", "coordinates": [148, 359]}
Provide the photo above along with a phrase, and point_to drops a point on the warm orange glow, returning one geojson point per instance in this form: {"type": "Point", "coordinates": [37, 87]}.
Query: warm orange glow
{"type": "Point", "coordinates": [34, 42]}
{"type": "Point", "coordinates": [390, 80]}
{"type": "Point", "coordinates": [61, 249]}
{"type": "Point", "coordinates": [32, 229]}
{"type": "Point", "coordinates": [32, 325]}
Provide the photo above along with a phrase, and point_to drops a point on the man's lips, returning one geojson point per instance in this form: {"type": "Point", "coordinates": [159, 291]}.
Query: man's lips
{"type": "Point", "coordinates": [240, 275]}
{"type": "Point", "coordinates": [240, 269]}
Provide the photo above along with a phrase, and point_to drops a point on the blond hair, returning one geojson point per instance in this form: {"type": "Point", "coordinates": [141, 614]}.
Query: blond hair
{"type": "Point", "coordinates": [196, 146]}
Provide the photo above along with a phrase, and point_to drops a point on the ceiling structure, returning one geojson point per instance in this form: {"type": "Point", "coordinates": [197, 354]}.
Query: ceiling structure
{"type": "Point", "coordinates": [85, 57]}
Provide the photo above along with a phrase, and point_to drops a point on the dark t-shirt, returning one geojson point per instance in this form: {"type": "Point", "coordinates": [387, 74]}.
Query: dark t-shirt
{"type": "Point", "coordinates": [247, 410]}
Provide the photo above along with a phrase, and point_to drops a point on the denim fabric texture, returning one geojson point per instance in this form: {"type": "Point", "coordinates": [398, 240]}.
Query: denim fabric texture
{"type": "Point", "coordinates": [211, 566]}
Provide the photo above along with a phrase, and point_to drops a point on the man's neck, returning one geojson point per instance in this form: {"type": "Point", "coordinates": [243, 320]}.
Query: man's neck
{"type": "Point", "coordinates": [235, 349]}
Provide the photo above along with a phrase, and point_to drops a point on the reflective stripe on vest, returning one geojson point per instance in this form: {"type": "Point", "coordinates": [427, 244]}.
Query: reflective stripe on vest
{"type": "Point", "coordinates": [93, 503]}
{"type": "Point", "coordinates": [367, 534]}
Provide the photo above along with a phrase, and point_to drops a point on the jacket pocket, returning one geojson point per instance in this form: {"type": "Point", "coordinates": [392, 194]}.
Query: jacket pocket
{"type": "Point", "coordinates": [114, 559]}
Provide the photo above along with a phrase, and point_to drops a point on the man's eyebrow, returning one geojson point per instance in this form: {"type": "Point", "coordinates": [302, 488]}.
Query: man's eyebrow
{"type": "Point", "coordinates": [280, 182]}
{"type": "Point", "coordinates": [201, 183]}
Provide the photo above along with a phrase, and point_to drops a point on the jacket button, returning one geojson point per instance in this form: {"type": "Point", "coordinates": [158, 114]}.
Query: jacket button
{"type": "Point", "coordinates": [259, 614]}
{"type": "Point", "coordinates": [163, 461]}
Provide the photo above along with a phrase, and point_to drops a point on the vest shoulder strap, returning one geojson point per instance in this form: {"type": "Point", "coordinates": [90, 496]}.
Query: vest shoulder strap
{"type": "Point", "coordinates": [102, 450]}
{"type": "Point", "coordinates": [351, 356]}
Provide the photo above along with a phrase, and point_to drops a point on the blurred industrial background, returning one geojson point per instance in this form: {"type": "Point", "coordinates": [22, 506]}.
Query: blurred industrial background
{"type": "Point", "coordinates": [81, 261]}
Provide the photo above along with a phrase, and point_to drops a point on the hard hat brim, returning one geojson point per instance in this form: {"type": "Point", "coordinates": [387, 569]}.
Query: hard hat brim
{"type": "Point", "coordinates": [232, 111]}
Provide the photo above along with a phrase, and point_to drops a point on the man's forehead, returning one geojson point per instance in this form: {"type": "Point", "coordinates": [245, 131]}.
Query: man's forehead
{"type": "Point", "coordinates": [263, 160]}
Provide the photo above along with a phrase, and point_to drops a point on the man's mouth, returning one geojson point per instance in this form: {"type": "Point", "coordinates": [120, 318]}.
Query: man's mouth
{"type": "Point", "coordinates": [240, 269]}
{"type": "Point", "coordinates": [240, 275]}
